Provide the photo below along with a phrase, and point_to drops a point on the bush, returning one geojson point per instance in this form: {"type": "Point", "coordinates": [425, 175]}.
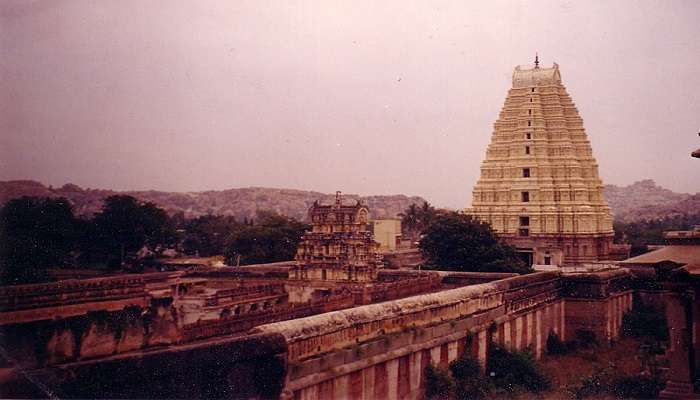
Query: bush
{"type": "Point", "coordinates": [608, 381]}
{"type": "Point", "coordinates": [586, 338]}
{"type": "Point", "coordinates": [555, 345]}
{"type": "Point", "coordinates": [637, 387]}
{"type": "Point", "coordinates": [512, 370]}
{"type": "Point", "coordinates": [643, 321]}
{"type": "Point", "coordinates": [438, 383]}
{"type": "Point", "coordinates": [599, 382]}
{"type": "Point", "coordinates": [470, 383]}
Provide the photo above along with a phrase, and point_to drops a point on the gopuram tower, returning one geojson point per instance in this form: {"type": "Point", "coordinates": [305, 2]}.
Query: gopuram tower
{"type": "Point", "coordinates": [539, 186]}
{"type": "Point", "coordinates": [340, 246]}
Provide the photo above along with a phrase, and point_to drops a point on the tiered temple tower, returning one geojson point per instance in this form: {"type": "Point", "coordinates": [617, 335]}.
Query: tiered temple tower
{"type": "Point", "coordinates": [340, 246]}
{"type": "Point", "coordinates": [539, 185]}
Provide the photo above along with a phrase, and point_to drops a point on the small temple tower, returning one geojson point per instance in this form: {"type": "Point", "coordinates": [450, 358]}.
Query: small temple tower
{"type": "Point", "coordinates": [340, 246]}
{"type": "Point", "coordinates": [539, 186]}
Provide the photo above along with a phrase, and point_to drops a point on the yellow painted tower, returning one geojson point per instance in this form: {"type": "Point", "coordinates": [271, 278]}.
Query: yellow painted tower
{"type": "Point", "coordinates": [539, 186]}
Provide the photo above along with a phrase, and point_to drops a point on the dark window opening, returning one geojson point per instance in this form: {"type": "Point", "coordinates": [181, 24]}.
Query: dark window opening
{"type": "Point", "coordinates": [524, 221]}
{"type": "Point", "coordinates": [323, 274]}
{"type": "Point", "coordinates": [523, 232]}
{"type": "Point", "coordinates": [530, 99]}
{"type": "Point", "coordinates": [528, 135]}
{"type": "Point", "coordinates": [525, 196]}
{"type": "Point", "coordinates": [526, 172]}
{"type": "Point", "coordinates": [529, 112]}
{"type": "Point", "coordinates": [529, 123]}
{"type": "Point", "coordinates": [527, 149]}
{"type": "Point", "coordinates": [547, 260]}
{"type": "Point", "coordinates": [532, 90]}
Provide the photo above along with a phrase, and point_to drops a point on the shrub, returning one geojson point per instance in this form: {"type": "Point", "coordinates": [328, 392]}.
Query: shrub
{"type": "Point", "coordinates": [512, 370]}
{"type": "Point", "coordinates": [599, 382]}
{"type": "Point", "coordinates": [609, 381]}
{"type": "Point", "coordinates": [644, 321]}
{"type": "Point", "coordinates": [637, 387]}
{"type": "Point", "coordinates": [586, 338]}
{"type": "Point", "coordinates": [438, 383]}
{"type": "Point", "coordinates": [470, 383]}
{"type": "Point", "coordinates": [555, 345]}
{"type": "Point", "coordinates": [465, 367]}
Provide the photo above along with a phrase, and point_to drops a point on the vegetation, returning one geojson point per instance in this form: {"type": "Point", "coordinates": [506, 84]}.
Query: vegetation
{"type": "Point", "coordinates": [35, 234]}
{"type": "Point", "coordinates": [41, 233]}
{"type": "Point", "coordinates": [650, 232]}
{"type": "Point", "coordinates": [458, 242]}
{"type": "Point", "coordinates": [610, 381]}
{"type": "Point", "coordinates": [271, 238]}
{"type": "Point", "coordinates": [512, 370]}
{"type": "Point", "coordinates": [207, 235]}
{"type": "Point", "coordinates": [555, 346]}
{"type": "Point", "coordinates": [438, 384]}
{"type": "Point", "coordinates": [507, 372]}
{"type": "Point", "coordinates": [645, 322]}
{"type": "Point", "coordinates": [468, 376]}
{"type": "Point", "coordinates": [415, 220]}
{"type": "Point", "coordinates": [123, 227]}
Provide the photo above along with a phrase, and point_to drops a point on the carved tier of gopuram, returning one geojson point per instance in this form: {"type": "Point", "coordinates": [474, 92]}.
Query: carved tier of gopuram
{"type": "Point", "coordinates": [539, 186]}
{"type": "Point", "coordinates": [340, 246]}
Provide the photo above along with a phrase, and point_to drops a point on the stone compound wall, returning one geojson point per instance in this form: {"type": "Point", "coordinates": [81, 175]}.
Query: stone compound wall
{"type": "Point", "coordinates": [373, 351]}
{"type": "Point", "coordinates": [381, 350]}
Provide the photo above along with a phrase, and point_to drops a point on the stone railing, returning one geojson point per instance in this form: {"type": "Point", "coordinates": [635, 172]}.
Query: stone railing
{"type": "Point", "coordinates": [74, 291]}
{"type": "Point", "coordinates": [397, 289]}
{"type": "Point", "coordinates": [242, 323]}
{"type": "Point", "coordinates": [318, 334]}
{"type": "Point", "coordinates": [244, 293]}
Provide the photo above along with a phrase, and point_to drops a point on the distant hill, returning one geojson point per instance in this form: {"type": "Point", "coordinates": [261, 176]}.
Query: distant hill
{"type": "Point", "coordinates": [241, 203]}
{"type": "Point", "coordinates": [640, 200]}
{"type": "Point", "coordinates": [645, 200]}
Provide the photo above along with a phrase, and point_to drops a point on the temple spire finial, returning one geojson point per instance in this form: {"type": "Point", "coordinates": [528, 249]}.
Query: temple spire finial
{"type": "Point", "coordinates": [537, 60]}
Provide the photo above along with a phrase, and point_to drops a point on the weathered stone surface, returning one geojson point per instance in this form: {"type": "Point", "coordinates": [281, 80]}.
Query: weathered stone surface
{"type": "Point", "coordinates": [539, 186]}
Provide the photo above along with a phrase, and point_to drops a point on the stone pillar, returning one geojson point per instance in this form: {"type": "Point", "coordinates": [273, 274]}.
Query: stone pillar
{"type": "Point", "coordinates": [680, 385]}
{"type": "Point", "coordinates": [696, 328]}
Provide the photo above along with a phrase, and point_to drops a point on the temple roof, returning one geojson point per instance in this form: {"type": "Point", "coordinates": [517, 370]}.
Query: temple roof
{"type": "Point", "coordinates": [526, 76]}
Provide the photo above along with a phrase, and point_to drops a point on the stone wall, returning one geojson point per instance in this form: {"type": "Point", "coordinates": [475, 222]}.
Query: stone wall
{"type": "Point", "coordinates": [372, 351]}
{"type": "Point", "coordinates": [253, 366]}
{"type": "Point", "coordinates": [381, 350]}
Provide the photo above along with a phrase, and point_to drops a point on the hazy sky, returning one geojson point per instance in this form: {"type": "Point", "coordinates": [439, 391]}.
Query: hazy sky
{"type": "Point", "coordinates": [370, 97]}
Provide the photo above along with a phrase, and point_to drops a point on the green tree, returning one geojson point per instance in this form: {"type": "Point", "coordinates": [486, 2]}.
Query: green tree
{"type": "Point", "coordinates": [415, 220]}
{"type": "Point", "coordinates": [36, 234]}
{"type": "Point", "coordinates": [272, 238]}
{"type": "Point", "coordinates": [207, 235]}
{"type": "Point", "coordinates": [458, 242]}
{"type": "Point", "coordinates": [125, 225]}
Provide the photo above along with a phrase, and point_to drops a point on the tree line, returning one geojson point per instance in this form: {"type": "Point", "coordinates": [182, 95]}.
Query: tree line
{"type": "Point", "coordinates": [37, 234]}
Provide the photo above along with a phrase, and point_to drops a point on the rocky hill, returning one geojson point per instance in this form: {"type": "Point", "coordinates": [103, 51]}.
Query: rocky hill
{"type": "Point", "coordinates": [241, 203]}
{"type": "Point", "coordinates": [645, 200]}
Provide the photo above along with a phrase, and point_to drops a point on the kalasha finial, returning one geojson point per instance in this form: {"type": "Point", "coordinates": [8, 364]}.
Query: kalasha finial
{"type": "Point", "coordinates": [537, 60]}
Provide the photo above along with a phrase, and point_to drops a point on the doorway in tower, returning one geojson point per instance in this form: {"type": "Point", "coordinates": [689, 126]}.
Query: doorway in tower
{"type": "Point", "coordinates": [527, 255]}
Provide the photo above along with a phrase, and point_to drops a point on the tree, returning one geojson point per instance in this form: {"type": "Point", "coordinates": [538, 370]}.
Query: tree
{"type": "Point", "coordinates": [272, 238]}
{"type": "Point", "coordinates": [125, 225]}
{"type": "Point", "coordinates": [414, 220]}
{"type": "Point", "coordinates": [458, 242]}
{"type": "Point", "coordinates": [206, 235]}
{"type": "Point", "coordinates": [36, 234]}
